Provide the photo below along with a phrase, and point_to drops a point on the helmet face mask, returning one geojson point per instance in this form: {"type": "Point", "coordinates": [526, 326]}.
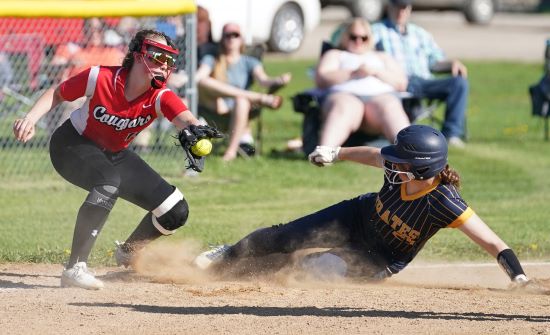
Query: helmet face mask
{"type": "Point", "coordinates": [396, 174]}
{"type": "Point", "coordinates": [422, 148]}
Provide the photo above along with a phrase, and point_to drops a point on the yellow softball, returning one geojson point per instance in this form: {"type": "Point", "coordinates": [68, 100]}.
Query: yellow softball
{"type": "Point", "coordinates": [202, 147]}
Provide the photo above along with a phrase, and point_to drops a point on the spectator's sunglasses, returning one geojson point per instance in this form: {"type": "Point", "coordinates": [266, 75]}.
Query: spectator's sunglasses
{"type": "Point", "coordinates": [166, 56]}
{"type": "Point", "coordinates": [231, 35]}
{"type": "Point", "coordinates": [356, 38]}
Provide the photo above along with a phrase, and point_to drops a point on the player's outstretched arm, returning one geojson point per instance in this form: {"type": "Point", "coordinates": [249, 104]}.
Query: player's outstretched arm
{"type": "Point", "coordinates": [184, 120]}
{"type": "Point", "coordinates": [363, 155]}
{"type": "Point", "coordinates": [481, 234]}
{"type": "Point", "coordinates": [24, 128]}
{"type": "Point", "coordinates": [325, 155]}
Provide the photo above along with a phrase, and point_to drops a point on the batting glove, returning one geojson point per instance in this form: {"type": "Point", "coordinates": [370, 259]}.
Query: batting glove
{"type": "Point", "coordinates": [323, 155]}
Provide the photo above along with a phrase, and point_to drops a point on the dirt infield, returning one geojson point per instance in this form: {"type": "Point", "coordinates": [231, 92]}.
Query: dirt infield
{"type": "Point", "coordinates": [424, 298]}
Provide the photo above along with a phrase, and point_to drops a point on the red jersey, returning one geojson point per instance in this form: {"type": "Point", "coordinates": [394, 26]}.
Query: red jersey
{"type": "Point", "coordinates": [107, 118]}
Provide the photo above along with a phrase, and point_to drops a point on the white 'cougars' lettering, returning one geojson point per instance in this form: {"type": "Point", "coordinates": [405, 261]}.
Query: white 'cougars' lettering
{"type": "Point", "coordinates": [100, 114]}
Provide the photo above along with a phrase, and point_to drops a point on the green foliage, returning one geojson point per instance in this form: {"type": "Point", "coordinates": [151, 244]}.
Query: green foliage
{"type": "Point", "coordinates": [504, 172]}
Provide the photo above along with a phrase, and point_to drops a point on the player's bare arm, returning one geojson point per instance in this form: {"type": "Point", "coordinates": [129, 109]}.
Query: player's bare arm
{"type": "Point", "coordinates": [364, 155]}
{"type": "Point", "coordinates": [482, 235]}
{"type": "Point", "coordinates": [184, 120]}
{"type": "Point", "coordinates": [24, 128]}
{"type": "Point", "coordinates": [324, 155]}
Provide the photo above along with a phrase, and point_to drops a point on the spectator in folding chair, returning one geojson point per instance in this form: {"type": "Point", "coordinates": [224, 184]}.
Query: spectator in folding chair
{"type": "Point", "coordinates": [362, 86]}
{"type": "Point", "coordinates": [224, 89]}
{"type": "Point", "coordinates": [415, 49]}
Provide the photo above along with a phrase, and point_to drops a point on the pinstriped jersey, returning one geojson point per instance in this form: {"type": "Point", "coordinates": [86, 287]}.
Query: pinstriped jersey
{"type": "Point", "coordinates": [107, 118]}
{"type": "Point", "coordinates": [404, 223]}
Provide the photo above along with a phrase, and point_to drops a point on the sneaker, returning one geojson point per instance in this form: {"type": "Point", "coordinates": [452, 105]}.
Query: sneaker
{"type": "Point", "coordinates": [80, 276]}
{"type": "Point", "coordinates": [212, 256]}
{"type": "Point", "coordinates": [456, 142]}
{"type": "Point", "coordinates": [122, 257]}
{"type": "Point", "coordinates": [246, 149]}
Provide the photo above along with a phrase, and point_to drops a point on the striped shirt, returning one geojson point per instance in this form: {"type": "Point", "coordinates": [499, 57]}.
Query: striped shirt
{"type": "Point", "coordinates": [404, 223]}
{"type": "Point", "coordinates": [415, 50]}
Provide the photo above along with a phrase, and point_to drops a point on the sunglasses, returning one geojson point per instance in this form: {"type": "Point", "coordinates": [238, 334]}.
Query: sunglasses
{"type": "Point", "coordinates": [231, 35]}
{"type": "Point", "coordinates": [165, 55]}
{"type": "Point", "coordinates": [161, 58]}
{"type": "Point", "coordinates": [356, 38]}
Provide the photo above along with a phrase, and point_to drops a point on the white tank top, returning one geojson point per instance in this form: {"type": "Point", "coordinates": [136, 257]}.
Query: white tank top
{"type": "Point", "coordinates": [366, 86]}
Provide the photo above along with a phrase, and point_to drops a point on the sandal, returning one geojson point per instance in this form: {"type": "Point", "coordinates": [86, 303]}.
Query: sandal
{"type": "Point", "coordinates": [271, 101]}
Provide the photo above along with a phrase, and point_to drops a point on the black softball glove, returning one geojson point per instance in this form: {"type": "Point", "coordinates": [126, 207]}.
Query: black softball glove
{"type": "Point", "coordinates": [191, 135]}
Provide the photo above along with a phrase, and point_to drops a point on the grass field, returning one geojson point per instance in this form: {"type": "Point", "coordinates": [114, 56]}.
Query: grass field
{"type": "Point", "coordinates": [504, 171]}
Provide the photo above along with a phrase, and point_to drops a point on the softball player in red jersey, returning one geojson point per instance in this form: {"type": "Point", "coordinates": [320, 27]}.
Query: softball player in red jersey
{"type": "Point", "coordinates": [376, 235]}
{"type": "Point", "coordinates": [90, 149]}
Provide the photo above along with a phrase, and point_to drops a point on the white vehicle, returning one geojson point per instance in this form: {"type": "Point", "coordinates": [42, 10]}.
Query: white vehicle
{"type": "Point", "coordinates": [282, 24]}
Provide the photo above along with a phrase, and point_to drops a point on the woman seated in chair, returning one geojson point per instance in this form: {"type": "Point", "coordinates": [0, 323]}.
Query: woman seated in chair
{"type": "Point", "coordinates": [224, 84]}
{"type": "Point", "coordinates": [362, 85]}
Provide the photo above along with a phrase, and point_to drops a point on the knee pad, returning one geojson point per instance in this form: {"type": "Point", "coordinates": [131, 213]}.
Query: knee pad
{"type": "Point", "coordinates": [171, 214]}
{"type": "Point", "coordinates": [103, 196]}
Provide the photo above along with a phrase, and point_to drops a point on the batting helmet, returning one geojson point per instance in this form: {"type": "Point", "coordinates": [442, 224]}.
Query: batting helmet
{"type": "Point", "coordinates": [422, 147]}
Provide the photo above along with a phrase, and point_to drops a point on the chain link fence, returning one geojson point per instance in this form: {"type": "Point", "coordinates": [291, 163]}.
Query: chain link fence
{"type": "Point", "coordinates": [36, 53]}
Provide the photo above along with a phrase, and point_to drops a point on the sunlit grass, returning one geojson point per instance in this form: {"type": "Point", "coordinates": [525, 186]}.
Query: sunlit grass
{"type": "Point", "coordinates": [504, 172]}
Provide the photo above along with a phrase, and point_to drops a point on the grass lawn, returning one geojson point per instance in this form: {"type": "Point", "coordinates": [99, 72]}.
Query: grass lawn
{"type": "Point", "coordinates": [504, 170]}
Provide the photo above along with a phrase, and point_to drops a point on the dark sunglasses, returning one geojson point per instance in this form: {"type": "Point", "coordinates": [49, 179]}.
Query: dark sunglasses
{"type": "Point", "coordinates": [231, 35]}
{"type": "Point", "coordinates": [355, 38]}
{"type": "Point", "coordinates": [161, 58]}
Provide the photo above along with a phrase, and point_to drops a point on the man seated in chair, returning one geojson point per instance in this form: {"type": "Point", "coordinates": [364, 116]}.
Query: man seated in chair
{"type": "Point", "coordinates": [224, 88]}
{"type": "Point", "coordinates": [415, 49]}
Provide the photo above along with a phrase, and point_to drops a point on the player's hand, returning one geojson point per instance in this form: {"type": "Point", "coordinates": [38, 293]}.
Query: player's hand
{"type": "Point", "coordinates": [323, 155]}
{"type": "Point", "coordinates": [23, 129]}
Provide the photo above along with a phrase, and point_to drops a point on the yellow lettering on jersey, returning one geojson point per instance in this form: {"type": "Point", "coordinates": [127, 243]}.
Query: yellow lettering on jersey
{"type": "Point", "coordinates": [402, 232]}
{"type": "Point", "coordinates": [396, 222]}
{"type": "Point", "coordinates": [412, 236]}
{"type": "Point", "coordinates": [386, 217]}
{"type": "Point", "coordinates": [379, 205]}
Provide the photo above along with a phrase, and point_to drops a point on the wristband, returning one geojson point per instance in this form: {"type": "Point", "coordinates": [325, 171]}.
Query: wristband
{"type": "Point", "coordinates": [509, 262]}
{"type": "Point", "coordinates": [336, 153]}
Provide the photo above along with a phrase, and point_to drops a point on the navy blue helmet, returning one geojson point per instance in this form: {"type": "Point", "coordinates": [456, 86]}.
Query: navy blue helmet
{"type": "Point", "coordinates": [422, 147]}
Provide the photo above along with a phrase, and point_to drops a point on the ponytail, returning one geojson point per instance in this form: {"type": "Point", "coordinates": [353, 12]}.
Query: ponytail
{"type": "Point", "coordinates": [450, 176]}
